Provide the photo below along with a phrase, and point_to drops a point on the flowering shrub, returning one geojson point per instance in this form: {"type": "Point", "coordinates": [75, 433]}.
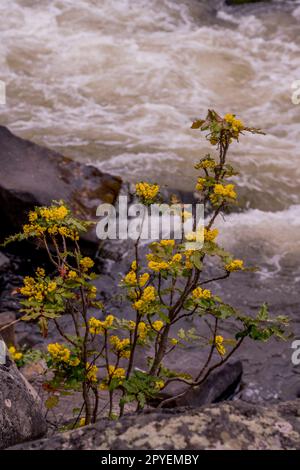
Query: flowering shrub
{"type": "Point", "coordinates": [168, 285]}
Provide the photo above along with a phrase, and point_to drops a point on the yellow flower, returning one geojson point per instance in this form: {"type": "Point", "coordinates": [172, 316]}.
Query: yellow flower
{"type": "Point", "coordinates": [200, 184]}
{"type": "Point", "coordinates": [74, 362]}
{"type": "Point", "coordinates": [116, 373]}
{"type": "Point", "coordinates": [52, 286]}
{"type": "Point", "coordinates": [219, 345]}
{"type": "Point", "coordinates": [167, 243]}
{"type": "Point", "coordinates": [58, 352]}
{"type": "Point", "coordinates": [39, 297]}
{"type": "Point", "coordinates": [91, 373]}
{"type": "Point", "coordinates": [210, 235]}
{"type": "Point", "coordinates": [143, 279]}
{"type": "Point", "coordinates": [147, 192]}
{"type": "Point", "coordinates": [221, 192]}
{"type": "Point", "coordinates": [93, 292]}
{"type": "Point", "coordinates": [63, 231]}
{"type": "Point", "coordinates": [82, 422]}
{"type": "Point", "coordinates": [159, 384]}
{"type": "Point", "coordinates": [131, 324]}
{"type": "Point", "coordinates": [235, 265]}
{"type": "Point", "coordinates": [86, 263]}
{"type": "Point", "coordinates": [208, 164]}
{"type": "Point", "coordinates": [72, 275]}
{"type": "Point", "coordinates": [142, 330]}
{"type": "Point", "coordinates": [157, 266]}
{"type": "Point", "coordinates": [200, 293]}
{"type": "Point", "coordinates": [177, 258]}
{"type": "Point", "coordinates": [121, 346]}
{"type": "Point", "coordinates": [130, 278]}
{"type": "Point", "coordinates": [15, 354]}
{"type": "Point", "coordinates": [40, 272]}
{"type": "Point", "coordinates": [174, 341]}
{"type": "Point", "coordinates": [54, 213]}
{"type": "Point", "coordinates": [236, 124]}
{"type": "Point", "coordinates": [157, 325]}
{"type": "Point", "coordinates": [109, 321]}
{"type": "Point", "coordinates": [32, 216]}
{"type": "Point", "coordinates": [97, 327]}
{"type": "Point", "coordinates": [134, 265]}
{"type": "Point", "coordinates": [149, 294]}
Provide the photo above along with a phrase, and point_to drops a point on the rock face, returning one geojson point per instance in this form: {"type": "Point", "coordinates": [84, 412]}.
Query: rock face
{"type": "Point", "coordinates": [228, 425]}
{"type": "Point", "coordinates": [33, 175]}
{"type": "Point", "coordinates": [21, 411]}
{"type": "Point", "coordinates": [221, 385]}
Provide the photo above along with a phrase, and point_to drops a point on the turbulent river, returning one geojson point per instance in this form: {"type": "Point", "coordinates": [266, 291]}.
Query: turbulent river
{"type": "Point", "coordinates": [118, 83]}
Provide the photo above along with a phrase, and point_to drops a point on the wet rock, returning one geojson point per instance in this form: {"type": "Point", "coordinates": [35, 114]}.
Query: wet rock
{"type": "Point", "coordinates": [4, 262]}
{"type": "Point", "coordinates": [219, 386]}
{"type": "Point", "coordinates": [224, 426]}
{"type": "Point", "coordinates": [21, 411]}
{"type": "Point", "coordinates": [8, 334]}
{"type": "Point", "coordinates": [33, 175]}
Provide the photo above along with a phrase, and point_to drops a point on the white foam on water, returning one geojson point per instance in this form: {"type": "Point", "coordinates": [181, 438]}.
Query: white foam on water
{"type": "Point", "coordinates": [117, 83]}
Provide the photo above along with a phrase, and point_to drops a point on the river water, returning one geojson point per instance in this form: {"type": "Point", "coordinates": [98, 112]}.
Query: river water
{"type": "Point", "coordinates": [118, 83]}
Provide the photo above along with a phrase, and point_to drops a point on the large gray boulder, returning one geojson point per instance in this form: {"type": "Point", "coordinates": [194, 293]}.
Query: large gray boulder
{"type": "Point", "coordinates": [33, 175]}
{"type": "Point", "coordinates": [228, 425]}
{"type": "Point", "coordinates": [21, 411]}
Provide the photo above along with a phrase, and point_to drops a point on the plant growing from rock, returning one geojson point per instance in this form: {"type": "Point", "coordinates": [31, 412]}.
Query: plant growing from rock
{"type": "Point", "coordinates": [171, 284]}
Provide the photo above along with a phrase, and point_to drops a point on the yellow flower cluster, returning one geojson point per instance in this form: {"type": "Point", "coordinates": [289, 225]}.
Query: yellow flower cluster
{"type": "Point", "coordinates": [167, 243]}
{"type": "Point", "coordinates": [91, 372]}
{"type": "Point", "coordinates": [159, 384]}
{"type": "Point", "coordinates": [200, 293]}
{"type": "Point", "coordinates": [40, 272]}
{"type": "Point", "coordinates": [176, 258]}
{"type": "Point", "coordinates": [37, 290]}
{"type": "Point", "coordinates": [120, 346]}
{"type": "Point", "coordinates": [86, 263]}
{"type": "Point", "coordinates": [219, 345]}
{"type": "Point", "coordinates": [143, 330]}
{"type": "Point", "coordinates": [200, 184]}
{"type": "Point", "coordinates": [59, 353]}
{"type": "Point", "coordinates": [113, 373]}
{"type": "Point", "coordinates": [188, 263]}
{"type": "Point", "coordinates": [131, 279]}
{"type": "Point", "coordinates": [55, 216]}
{"type": "Point", "coordinates": [72, 275]}
{"type": "Point", "coordinates": [98, 327]}
{"type": "Point", "coordinates": [148, 296]}
{"type": "Point", "coordinates": [147, 192]}
{"type": "Point", "coordinates": [235, 265]}
{"type": "Point", "coordinates": [53, 213]}
{"type": "Point", "coordinates": [236, 124]}
{"type": "Point", "coordinates": [157, 266]}
{"type": "Point", "coordinates": [36, 229]}
{"type": "Point", "coordinates": [207, 164]}
{"type": "Point", "coordinates": [210, 235]}
{"type": "Point", "coordinates": [157, 325]}
{"type": "Point", "coordinates": [221, 192]}
{"type": "Point", "coordinates": [16, 355]}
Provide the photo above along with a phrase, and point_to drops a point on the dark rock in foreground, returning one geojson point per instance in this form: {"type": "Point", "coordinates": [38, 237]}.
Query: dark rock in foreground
{"type": "Point", "coordinates": [21, 411]}
{"type": "Point", "coordinates": [228, 425]}
{"type": "Point", "coordinates": [33, 175]}
{"type": "Point", "coordinates": [219, 386]}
